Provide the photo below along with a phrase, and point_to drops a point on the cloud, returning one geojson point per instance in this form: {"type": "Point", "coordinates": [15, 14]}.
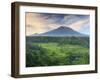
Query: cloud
{"type": "Point", "coordinates": [79, 24]}
{"type": "Point", "coordinates": [43, 22]}
{"type": "Point", "coordinates": [34, 23]}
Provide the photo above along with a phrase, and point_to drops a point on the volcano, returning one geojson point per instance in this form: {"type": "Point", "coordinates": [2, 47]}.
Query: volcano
{"type": "Point", "coordinates": [60, 31]}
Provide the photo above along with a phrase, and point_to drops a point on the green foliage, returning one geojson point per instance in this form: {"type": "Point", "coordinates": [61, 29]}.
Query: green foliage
{"type": "Point", "coordinates": [50, 51]}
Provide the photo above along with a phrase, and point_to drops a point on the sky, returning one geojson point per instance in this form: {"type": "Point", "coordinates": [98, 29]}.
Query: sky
{"type": "Point", "coordinates": [43, 22]}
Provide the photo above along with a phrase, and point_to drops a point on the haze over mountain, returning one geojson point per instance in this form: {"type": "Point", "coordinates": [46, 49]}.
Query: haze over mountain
{"type": "Point", "coordinates": [61, 31]}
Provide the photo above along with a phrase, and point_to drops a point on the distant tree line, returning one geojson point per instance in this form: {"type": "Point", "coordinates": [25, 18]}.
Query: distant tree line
{"type": "Point", "coordinates": [84, 41]}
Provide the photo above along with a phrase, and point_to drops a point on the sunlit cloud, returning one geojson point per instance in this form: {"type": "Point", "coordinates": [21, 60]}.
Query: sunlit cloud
{"type": "Point", "coordinates": [34, 23]}
{"type": "Point", "coordinates": [79, 24]}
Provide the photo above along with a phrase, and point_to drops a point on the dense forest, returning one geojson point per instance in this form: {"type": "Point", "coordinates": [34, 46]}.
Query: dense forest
{"type": "Point", "coordinates": [52, 51]}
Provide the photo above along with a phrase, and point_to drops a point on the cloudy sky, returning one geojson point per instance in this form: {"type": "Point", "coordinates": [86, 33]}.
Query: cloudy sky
{"type": "Point", "coordinates": [43, 22]}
